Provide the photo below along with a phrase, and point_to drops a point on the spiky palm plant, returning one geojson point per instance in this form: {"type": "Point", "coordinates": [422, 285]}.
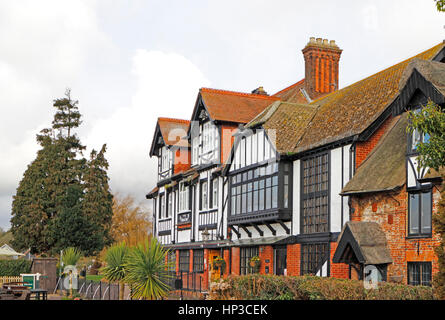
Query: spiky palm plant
{"type": "Point", "coordinates": [147, 270]}
{"type": "Point", "coordinates": [71, 256]}
{"type": "Point", "coordinates": [115, 258]}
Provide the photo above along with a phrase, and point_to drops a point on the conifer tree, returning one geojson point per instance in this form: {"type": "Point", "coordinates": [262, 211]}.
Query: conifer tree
{"type": "Point", "coordinates": [50, 205]}
{"type": "Point", "coordinates": [72, 228]}
{"type": "Point", "coordinates": [98, 201]}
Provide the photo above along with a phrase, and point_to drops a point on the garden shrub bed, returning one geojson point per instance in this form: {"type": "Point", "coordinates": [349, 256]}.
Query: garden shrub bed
{"type": "Point", "coordinates": [271, 287]}
{"type": "Point", "coordinates": [13, 268]}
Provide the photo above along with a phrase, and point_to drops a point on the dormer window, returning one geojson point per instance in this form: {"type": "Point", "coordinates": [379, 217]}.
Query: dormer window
{"type": "Point", "coordinates": [209, 137]}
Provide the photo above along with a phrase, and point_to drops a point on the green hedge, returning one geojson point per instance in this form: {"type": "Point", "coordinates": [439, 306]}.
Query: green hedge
{"type": "Point", "coordinates": [271, 287]}
{"type": "Point", "coordinates": [14, 267]}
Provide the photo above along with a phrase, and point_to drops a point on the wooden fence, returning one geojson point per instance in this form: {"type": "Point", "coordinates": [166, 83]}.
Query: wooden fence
{"type": "Point", "coordinates": [6, 279]}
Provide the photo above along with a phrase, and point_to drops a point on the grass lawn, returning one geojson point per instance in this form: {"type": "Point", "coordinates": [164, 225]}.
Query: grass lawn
{"type": "Point", "coordinates": [95, 278]}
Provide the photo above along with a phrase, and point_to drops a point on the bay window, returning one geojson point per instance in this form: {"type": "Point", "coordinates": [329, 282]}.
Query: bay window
{"type": "Point", "coordinates": [257, 189]}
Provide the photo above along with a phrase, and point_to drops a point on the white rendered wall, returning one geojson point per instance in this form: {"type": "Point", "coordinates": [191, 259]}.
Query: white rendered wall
{"type": "Point", "coordinates": [296, 198]}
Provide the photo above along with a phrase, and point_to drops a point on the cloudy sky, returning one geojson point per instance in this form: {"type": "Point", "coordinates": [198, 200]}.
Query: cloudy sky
{"type": "Point", "coordinates": [130, 61]}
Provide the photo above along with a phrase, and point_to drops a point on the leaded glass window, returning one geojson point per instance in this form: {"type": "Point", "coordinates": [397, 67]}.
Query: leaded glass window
{"type": "Point", "coordinates": [313, 256]}
{"type": "Point", "coordinates": [315, 194]}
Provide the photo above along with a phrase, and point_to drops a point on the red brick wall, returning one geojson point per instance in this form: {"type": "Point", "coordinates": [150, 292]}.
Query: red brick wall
{"type": "Point", "coordinates": [235, 261]}
{"type": "Point", "coordinates": [293, 259]}
{"type": "Point", "coordinates": [266, 253]}
{"type": "Point", "coordinates": [191, 261]}
{"type": "Point", "coordinates": [391, 213]}
{"type": "Point", "coordinates": [227, 140]}
{"type": "Point", "coordinates": [338, 270]}
{"type": "Point", "coordinates": [365, 147]}
{"type": "Point", "coordinates": [226, 256]}
{"type": "Point", "coordinates": [177, 260]}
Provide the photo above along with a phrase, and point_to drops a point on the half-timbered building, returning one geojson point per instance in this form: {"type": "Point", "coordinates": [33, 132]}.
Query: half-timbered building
{"type": "Point", "coordinates": [283, 177]}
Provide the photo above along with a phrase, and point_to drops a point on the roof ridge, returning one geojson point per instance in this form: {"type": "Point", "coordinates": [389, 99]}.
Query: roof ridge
{"type": "Point", "coordinates": [289, 87]}
{"type": "Point", "coordinates": [237, 93]}
{"type": "Point", "coordinates": [173, 120]}
{"type": "Point", "coordinates": [381, 71]}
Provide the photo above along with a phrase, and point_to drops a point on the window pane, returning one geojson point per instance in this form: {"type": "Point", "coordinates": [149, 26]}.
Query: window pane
{"type": "Point", "coordinates": [426, 212]}
{"type": "Point", "coordinates": [261, 196]}
{"type": "Point", "coordinates": [255, 200]}
{"type": "Point", "coordinates": [415, 139]}
{"type": "Point", "coordinates": [274, 197]}
{"type": "Point", "coordinates": [249, 197]}
{"type": "Point", "coordinates": [268, 198]}
{"type": "Point", "coordinates": [243, 200]}
{"type": "Point", "coordinates": [425, 279]}
{"type": "Point", "coordinates": [414, 213]}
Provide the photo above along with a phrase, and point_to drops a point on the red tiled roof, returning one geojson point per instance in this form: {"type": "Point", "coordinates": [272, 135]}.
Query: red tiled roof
{"type": "Point", "coordinates": [292, 93]}
{"type": "Point", "coordinates": [234, 106]}
{"type": "Point", "coordinates": [173, 131]}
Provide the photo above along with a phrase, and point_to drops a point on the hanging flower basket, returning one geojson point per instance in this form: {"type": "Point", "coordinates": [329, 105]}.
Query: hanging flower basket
{"type": "Point", "coordinates": [255, 263]}
{"type": "Point", "coordinates": [219, 263]}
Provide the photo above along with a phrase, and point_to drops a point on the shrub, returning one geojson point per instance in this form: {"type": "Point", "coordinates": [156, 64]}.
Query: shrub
{"type": "Point", "coordinates": [13, 268]}
{"type": "Point", "coordinates": [71, 256]}
{"type": "Point", "coordinates": [271, 287]}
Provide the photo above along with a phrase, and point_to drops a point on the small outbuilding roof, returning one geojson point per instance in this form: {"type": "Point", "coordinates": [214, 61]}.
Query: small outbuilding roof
{"type": "Point", "coordinates": [362, 242]}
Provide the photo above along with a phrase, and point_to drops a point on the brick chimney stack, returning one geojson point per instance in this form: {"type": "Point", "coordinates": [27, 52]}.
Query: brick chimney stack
{"type": "Point", "coordinates": [321, 58]}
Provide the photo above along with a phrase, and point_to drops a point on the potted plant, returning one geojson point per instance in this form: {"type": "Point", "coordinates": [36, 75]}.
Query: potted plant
{"type": "Point", "coordinates": [255, 263]}
{"type": "Point", "coordinates": [219, 263]}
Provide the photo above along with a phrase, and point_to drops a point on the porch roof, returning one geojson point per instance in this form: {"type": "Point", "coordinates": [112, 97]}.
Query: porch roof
{"type": "Point", "coordinates": [362, 242]}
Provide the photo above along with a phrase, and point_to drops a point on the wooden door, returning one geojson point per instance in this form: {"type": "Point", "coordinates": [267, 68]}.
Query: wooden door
{"type": "Point", "coordinates": [215, 273]}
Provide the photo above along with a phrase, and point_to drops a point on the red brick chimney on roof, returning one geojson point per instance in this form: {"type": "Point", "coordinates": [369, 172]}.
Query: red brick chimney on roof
{"type": "Point", "coordinates": [321, 58]}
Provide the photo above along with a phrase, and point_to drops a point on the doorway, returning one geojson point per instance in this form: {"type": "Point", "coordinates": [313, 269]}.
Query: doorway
{"type": "Point", "coordinates": [215, 273]}
{"type": "Point", "coordinates": [280, 254]}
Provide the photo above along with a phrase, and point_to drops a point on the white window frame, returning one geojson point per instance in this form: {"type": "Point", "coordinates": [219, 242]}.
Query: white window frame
{"type": "Point", "coordinates": [215, 193]}
{"type": "Point", "coordinates": [183, 197]}
{"type": "Point", "coordinates": [204, 195]}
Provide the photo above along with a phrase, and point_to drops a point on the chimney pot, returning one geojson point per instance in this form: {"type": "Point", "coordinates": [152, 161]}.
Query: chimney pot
{"type": "Point", "coordinates": [321, 58]}
{"type": "Point", "coordinates": [260, 90]}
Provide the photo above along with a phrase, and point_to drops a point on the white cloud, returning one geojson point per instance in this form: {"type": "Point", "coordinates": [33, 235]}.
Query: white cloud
{"type": "Point", "coordinates": [167, 85]}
